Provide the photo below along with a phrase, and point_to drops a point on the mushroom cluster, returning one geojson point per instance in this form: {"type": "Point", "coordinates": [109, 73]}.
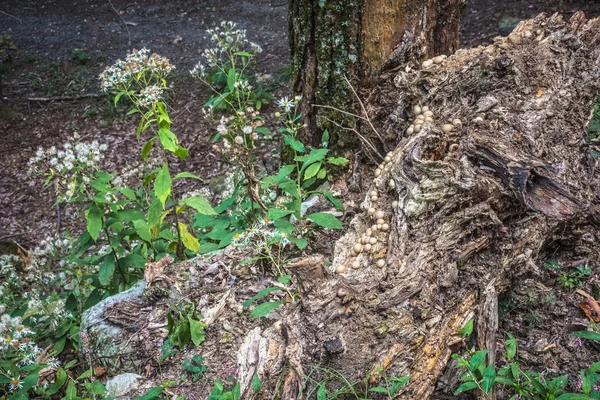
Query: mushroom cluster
{"type": "Point", "coordinates": [423, 115]}
{"type": "Point", "coordinates": [433, 61]}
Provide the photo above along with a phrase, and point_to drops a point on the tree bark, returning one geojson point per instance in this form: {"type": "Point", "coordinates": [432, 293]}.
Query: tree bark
{"type": "Point", "coordinates": [330, 39]}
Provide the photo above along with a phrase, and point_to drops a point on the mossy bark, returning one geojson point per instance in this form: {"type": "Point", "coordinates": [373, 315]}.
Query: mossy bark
{"type": "Point", "coordinates": [356, 39]}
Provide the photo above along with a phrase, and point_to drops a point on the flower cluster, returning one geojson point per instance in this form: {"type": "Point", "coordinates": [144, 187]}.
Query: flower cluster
{"type": "Point", "coordinates": [287, 104]}
{"type": "Point", "coordinates": [72, 167]}
{"type": "Point", "coordinates": [260, 236]}
{"type": "Point", "coordinates": [137, 64]}
{"type": "Point", "coordinates": [141, 77]}
{"type": "Point", "coordinates": [239, 131]}
{"type": "Point", "coordinates": [228, 40]}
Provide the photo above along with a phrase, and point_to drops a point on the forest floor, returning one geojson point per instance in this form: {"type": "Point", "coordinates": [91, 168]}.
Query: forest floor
{"type": "Point", "coordinates": [50, 34]}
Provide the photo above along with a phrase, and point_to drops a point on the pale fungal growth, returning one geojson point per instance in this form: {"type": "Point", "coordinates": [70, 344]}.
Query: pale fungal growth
{"type": "Point", "coordinates": [447, 128]}
{"type": "Point", "coordinates": [369, 232]}
{"type": "Point", "coordinates": [372, 241]}
{"type": "Point", "coordinates": [367, 247]}
{"type": "Point", "coordinates": [417, 128]}
{"type": "Point", "coordinates": [427, 63]}
{"type": "Point", "coordinates": [340, 269]}
{"type": "Point", "coordinates": [371, 211]}
{"type": "Point", "coordinates": [364, 240]}
{"type": "Point", "coordinates": [358, 247]}
{"type": "Point", "coordinates": [392, 183]}
{"type": "Point", "coordinates": [395, 204]}
{"type": "Point", "coordinates": [456, 122]}
{"type": "Point", "coordinates": [385, 227]}
{"type": "Point", "coordinates": [355, 264]}
{"type": "Point", "coordinates": [377, 172]}
{"type": "Point", "coordinates": [527, 34]}
{"type": "Point", "coordinates": [374, 193]}
{"type": "Point", "coordinates": [410, 130]}
{"type": "Point", "coordinates": [428, 119]}
{"type": "Point", "coordinates": [379, 214]}
{"type": "Point", "coordinates": [374, 198]}
{"type": "Point", "coordinates": [353, 253]}
{"type": "Point", "coordinates": [478, 120]}
{"type": "Point", "coordinates": [387, 159]}
{"type": "Point", "coordinates": [390, 154]}
{"type": "Point", "coordinates": [438, 60]}
{"type": "Point", "coordinates": [428, 113]}
{"type": "Point", "coordinates": [381, 263]}
{"type": "Point", "coordinates": [417, 110]}
{"type": "Point", "coordinates": [379, 226]}
{"type": "Point", "coordinates": [374, 229]}
{"type": "Point", "coordinates": [425, 109]}
{"type": "Point", "coordinates": [380, 221]}
{"type": "Point", "coordinates": [340, 293]}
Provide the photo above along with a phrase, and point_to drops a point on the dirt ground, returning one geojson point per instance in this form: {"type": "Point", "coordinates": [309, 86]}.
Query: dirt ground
{"type": "Point", "coordinates": [43, 66]}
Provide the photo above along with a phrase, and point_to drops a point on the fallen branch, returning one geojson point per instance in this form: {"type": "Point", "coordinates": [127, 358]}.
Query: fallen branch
{"type": "Point", "coordinates": [12, 16]}
{"type": "Point", "coordinates": [63, 98]}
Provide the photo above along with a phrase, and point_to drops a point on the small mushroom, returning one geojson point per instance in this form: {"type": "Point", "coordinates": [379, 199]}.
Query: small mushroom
{"type": "Point", "coordinates": [377, 172]}
{"type": "Point", "coordinates": [369, 232]}
{"type": "Point", "coordinates": [341, 292]}
{"type": "Point", "coordinates": [427, 63]}
{"type": "Point", "coordinates": [340, 269]}
{"type": "Point", "coordinates": [478, 120]}
{"type": "Point", "coordinates": [385, 227]}
{"type": "Point", "coordinates": [428, 113]}
{"type": "Point", "coordinates": [379, 214]}
{"type": "Point", "coordinates": [447, 128]}
{"type": "Point", "coordinates": [387, 159]}
{"type": "Point", "coordinates": [380, 264]}
{"type": "Point", "coordinates": [392, 183]}
{"type": "Point", "coordinates": [395, 204]}
{"type": "Point", "coordinates": [374, 193]}
{"type": "Point", "coordinates": [417, 110]}
{"type": "Point", "coordinates": [374, 198]}
{"type": "Point", "coordinates": [438, 60]}
{"type": "Point", "coordinates": [379, 226]}
{"type": "Point", "coordinates": [367, 247]}
{"type": "Point", "coordinates": [428, 119]}
{"type": "Point", "coordinates": [358, 247]}
{"type": "Point", "coordinates": [390, 154]}
{"type": "Point", "coordinates": [380, 221]}
{"type": "Point", "coordinates": [425, 109]}
{"type": "Point", "coordinates": [372, 241]}
{"type": "Point", "coordinates": [417, 128]}
{"type": "Point", "coordinates": [457, 122]}
{"type": "Point", "coordinates": [355, 264]}
{"type": "Point", "coordinates": [371, 211]}
{"type": "Point", "coordinates": [410, 130]}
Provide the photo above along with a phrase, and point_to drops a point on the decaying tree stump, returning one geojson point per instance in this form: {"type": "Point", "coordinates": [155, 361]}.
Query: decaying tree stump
{"type": "Point", "coordinates": [471, 211]}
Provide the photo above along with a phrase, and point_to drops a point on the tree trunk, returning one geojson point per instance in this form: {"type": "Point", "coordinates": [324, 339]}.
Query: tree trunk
{"type": "Point", "coordinates": [330, 39]}
{"type": "Point", "coordinates": [470, 210]}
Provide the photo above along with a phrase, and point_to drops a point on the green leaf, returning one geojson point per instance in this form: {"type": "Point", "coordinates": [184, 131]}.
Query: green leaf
{"type": "Point", "coordinates": [93, 217]}
{"type": "Point", "coordinates": [199, 204]}
{"type": "Point", "coordinates": [336, 202]}
{"type": "Point", "coordinates": [312, 170]}
{"type": "Point", "coordinates": [263, 129]}
{"type": "Point", "coordinates": [378, 389]}
{"type": "Point", "coordinates": [504, 380]}
{"type": "Point", "coordinates": [337, 160]}
{"type": "Point", "coordinates": [162, 185]}
{"type": "Point", "coordinates": [183, 175]}
{"type": "Point", "coordinates": [189, 241]}
{"type": "Point", "coordinates": [143, 230]}
{"type": "Point", "coordinates": [231, 77]}
{"type": "Point", "coordinates": [294, 144]}
{"type": "Point", "coordinates": [285, 279]}
{"type": "Point", "coordinates": [465, 387]}
{"type": "Point", "coordinates": [587, 335]}
{"type": "Point", "coordinates": [197, 331]}
{"type": "Point", "coordinates": [129, 215]}
{"type": "Point", "coordinates": [477, 359]}
{"type": "Point", "coordinates": [181, 153]}
{"type": "Point", "coordinates": [168, 139]}
{"type": "Point", "coordinates": [71, 393]}
{"type": "Point", "coordinates": [107, 268]}
{"type": "Point", "coordinates": [325, 220]}
{"type": "Point", "coordinates": [467, 329]}
{"type": "Point", "coordinates": [574, 396]}
{"type": "Point", "coordinates": [314, 156]}
{"type": "Point", "coordinates": [255, 383]}
{"type": "Point", "coordinates": [322, 392]}
{"type": "Point", "coordinates": [261, 294]}
{"type": "Point", "coordinates": [325, 138]}
{"type": "Point", "coordinates": [489, 376]}
{"type": "Point", "coordinates": [264, 309]}
{"type": "Point", "coordinates": [130, 194]}
{"type": "Point", "coordinates": [152, 394]}
{"type": "Point", "coordinates": [275, 213]}
{"type": "Point", "coordinates": [154, 213]}
{"type": "Point", "coordinates": [146, 149]}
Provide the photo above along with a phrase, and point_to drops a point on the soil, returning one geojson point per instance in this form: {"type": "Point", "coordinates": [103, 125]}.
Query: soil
{"type": "Point", "coordinates": [43, 66]}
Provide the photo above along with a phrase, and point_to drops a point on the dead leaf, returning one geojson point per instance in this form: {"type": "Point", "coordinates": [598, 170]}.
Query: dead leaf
{"type": "Point", "coordinates": [539, 93]}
